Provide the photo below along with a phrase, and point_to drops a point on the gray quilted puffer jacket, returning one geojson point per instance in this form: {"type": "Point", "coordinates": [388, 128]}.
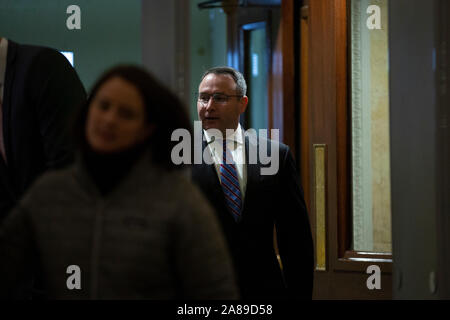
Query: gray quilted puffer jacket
{"type": "Point", "coordinates": [152, 237]}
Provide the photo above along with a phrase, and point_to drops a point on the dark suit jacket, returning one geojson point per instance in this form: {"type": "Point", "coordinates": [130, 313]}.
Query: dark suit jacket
{"type": "Point", "coordinates": [41, 93]}
{"type": "Point", "coordinates": [269, 200]}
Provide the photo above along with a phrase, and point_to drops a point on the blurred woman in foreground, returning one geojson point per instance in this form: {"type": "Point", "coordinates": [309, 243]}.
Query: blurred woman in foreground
{"type": "Point", "coordinates": [123, 222]}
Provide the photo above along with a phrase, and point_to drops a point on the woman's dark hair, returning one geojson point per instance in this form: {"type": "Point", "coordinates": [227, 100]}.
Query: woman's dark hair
{"type": "Point", "coordinates": [162, 108]}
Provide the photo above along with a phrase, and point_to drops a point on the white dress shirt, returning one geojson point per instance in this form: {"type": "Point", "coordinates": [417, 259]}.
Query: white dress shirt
{"type": "Point", "coordinates": [236, 145]}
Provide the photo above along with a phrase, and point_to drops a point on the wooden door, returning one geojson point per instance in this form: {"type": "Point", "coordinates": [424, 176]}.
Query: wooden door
{"type": "Point", "coordinates": [326, 155]}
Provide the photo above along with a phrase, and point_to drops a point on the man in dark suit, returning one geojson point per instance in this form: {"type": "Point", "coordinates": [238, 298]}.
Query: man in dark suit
{"type": "Point", "coordinates": [249, 203]}
{"type": "Point", "coordinates": [39, 91]}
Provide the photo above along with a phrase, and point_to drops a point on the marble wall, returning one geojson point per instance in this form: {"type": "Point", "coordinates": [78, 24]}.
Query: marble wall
{"type": "Point", "coordinates": [370, 129]}
{"type": "Point", "coordinates": [381, 191]}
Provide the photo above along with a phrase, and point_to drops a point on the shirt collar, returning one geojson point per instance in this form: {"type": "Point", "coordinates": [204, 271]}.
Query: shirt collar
{"type": "Point", "coordinates": [237, 135]}
{"type": "Point", "coordinates": [3, 54]}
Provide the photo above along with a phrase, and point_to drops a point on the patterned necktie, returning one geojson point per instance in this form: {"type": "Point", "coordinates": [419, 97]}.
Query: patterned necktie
{"type": "Point", "coordinates": [230, 183]}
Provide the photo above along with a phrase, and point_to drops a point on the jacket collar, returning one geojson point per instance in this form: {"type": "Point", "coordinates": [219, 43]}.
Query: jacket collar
{"type": "Point", "coordinates": [142, 170]}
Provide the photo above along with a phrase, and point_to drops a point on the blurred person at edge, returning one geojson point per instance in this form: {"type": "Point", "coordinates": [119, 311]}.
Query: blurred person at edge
{"type": "Point", "coordinates": [130, 219]}
{"type": "Point", "coordinates": [40, 92]}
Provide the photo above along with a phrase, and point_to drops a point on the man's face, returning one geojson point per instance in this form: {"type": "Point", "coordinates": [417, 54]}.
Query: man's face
{"type": "Point", "coordinates": [220, 114]}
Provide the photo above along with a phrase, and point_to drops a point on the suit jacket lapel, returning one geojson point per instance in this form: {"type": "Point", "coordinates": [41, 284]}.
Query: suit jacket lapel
{"type": "Point", "coordinates": [211, 176]}
{"type": "Point", "coordinates": [253, 170]}
{"type": "Point", "coordinates": [206, 174]}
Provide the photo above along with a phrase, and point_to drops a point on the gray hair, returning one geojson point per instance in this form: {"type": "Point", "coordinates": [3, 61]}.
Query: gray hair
{"type": "Point", "coordinates": [241, 85]}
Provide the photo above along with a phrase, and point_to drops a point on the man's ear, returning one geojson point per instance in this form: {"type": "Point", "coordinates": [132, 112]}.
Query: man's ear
{"type": "Point", "coordinates": [244, 103]}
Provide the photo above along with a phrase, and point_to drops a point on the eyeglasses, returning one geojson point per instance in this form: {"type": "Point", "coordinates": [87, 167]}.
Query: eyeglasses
{"type": "Point", "coordinates": [219, 98]}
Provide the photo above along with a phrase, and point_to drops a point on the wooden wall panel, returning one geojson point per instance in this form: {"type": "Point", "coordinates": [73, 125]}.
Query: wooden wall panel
{"type": "Point", "coordinates": [287, 44]}
{"type": "Point", "coordinates": [304, 103]}
{"type": "Point", "coordinates": [283, 78]}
